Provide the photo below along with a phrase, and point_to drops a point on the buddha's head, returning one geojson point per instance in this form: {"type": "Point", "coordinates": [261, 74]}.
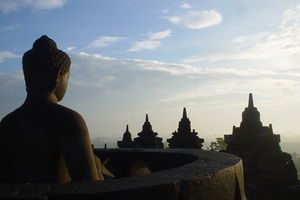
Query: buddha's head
{"type": "Point", "coordinates": [46, 68]}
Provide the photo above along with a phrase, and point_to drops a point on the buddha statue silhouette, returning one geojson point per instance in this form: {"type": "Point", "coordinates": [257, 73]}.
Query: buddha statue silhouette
{"type": "Point", "coordinates": [43, 141]}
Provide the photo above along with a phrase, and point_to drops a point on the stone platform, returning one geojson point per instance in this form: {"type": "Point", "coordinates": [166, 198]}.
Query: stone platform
{"type": "Point", "coordinates": [175, 174]}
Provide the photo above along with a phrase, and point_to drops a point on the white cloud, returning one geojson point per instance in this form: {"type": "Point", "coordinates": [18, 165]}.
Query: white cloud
{"type": "Point", "coordinates": [99, 62]}
{"type": "Point", "coordinates": [197, 19]}
{"type": "Point", "coordinates": [282, 46]}
{"type": "Point", "coordinates": [9, 27]}
{"type": "Point", "coordinates": [70, 48]}
{"type": "Point", "coordinates": [7, 6]}
{"type": "Point", "coordinates": [152, 41]}
{"type": "Point", "coordinates": [160, 35]}
{"type": "Point", "coordinates": [104, 41]}
{"type": "Point", "coordinates": [47, 4]}
{"type": "Point", "coordinates": [6, 55]}
{"type": "Point", "coordinates": [165, 11]}
{"type": "Point", "coordinates": [290, 17]}
{"type": "Point", "coordinates": [174, 19]}
{"type": "Point", "coordinates": [185, 5]}
{"type": "Point", "coordinates": [146, 44]}
{"type": "Point", "coordinates": [250, 39]}
{"type": "Point", "coordinates": [95, 65]}
{"type": "Point", "coordinates": [97, 70]}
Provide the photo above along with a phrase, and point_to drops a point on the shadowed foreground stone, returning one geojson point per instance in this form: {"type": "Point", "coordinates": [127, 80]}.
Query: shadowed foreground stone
{"type": "Point", "coordinates": [175, 174]}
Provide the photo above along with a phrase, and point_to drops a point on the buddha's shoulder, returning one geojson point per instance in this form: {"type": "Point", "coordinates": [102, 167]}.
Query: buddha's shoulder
{"type": "Point", "coordinates": [53, 114]}
{"type": "Point", "coordinates": [11, 117]}
{"type": "Point", "coordinates": [67, 121]}
{"type": "Point", "coordinates": [66, 114]}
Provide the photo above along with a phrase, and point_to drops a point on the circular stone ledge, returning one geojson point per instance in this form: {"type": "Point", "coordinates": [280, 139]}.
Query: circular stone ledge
{"type": "Point", "coordinates": [184, 174]}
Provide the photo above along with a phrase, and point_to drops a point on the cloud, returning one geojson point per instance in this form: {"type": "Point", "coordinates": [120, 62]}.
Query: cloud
{"type": "Point", "coordinates": [70, 48]}
{"type": "Point", "coordinates": [99, 62]}
{"type": "Point", "coordinates": [171, 83]}
{"type": "Point", "coordinates": [9, 27]}
{"type": "Point", "coordinates": [95, 70]}
{"type": "Point", "coordinates": [160, 35]}
{"type": "Point", "coordinates": [49, 4]}
{"type": "Point", "coordinates": [290, 17]}
{"type": "Point", "coordinates": [7, 6]}
{"type": "Point", "coordinates": [165, 11]}
{"type": "Point", "coordinates": [12, 92]}
{"type": "Point", "coordinates": [152, 41]}
{"type": "Point", "coordinates": [104, 41]}
{"type": "Point", "coordinates": [145, 44]}
{"type": "Point", "coordinates": [6, 55]}
{"type": "Point", "coordinates": [109, 92]}
{"type": "Point", "coordinates": [282, 46]}
{"type": "Point", "coordinates": [248, 39]}
{"type": "Point", "coordinates": [185, 5]}
{"type": "Point", "coordinates": [197, 19]}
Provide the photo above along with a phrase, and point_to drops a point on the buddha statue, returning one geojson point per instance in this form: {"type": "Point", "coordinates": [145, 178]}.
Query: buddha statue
{"type": "Point", "coordinates": [42, 141]}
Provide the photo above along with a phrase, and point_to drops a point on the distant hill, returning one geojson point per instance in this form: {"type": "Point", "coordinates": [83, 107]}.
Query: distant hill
{"type": "Point", "coordinates": [99, 142]}
{"type": "Point", "coordinates": [291, 147]}
{"type": "Point", "coordinates": [294, 149]}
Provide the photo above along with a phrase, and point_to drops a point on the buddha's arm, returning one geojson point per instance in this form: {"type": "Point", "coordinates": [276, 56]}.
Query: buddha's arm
{"type": "Point", "coordinates": [7, 141]}
{"type": "Point", "coordinates": [77, 151]}
{"type": "Point", "coordinates": [5, 171]}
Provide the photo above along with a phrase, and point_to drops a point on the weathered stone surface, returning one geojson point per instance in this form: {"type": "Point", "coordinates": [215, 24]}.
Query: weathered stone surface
{"type": "Point", "coordinates": [196, 174]}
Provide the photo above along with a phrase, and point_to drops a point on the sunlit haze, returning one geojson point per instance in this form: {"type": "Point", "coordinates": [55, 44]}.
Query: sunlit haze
{"type": "Point", "coordinates": [136, 57]}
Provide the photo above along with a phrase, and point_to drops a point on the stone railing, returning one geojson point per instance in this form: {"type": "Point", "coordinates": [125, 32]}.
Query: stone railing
{"type": "Point", "coordinates": [175, 174]}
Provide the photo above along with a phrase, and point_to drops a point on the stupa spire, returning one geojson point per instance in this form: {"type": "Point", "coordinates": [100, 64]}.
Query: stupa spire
{"type": "Point", "coordinates": [251, 116]}
{"type": "Point", "coordinates": [147, 119]}
{"type": "Point", "coordinates": [184, 115]}
{"type": "Point", "coordinates": [250, 102]}
{"type": "Point", "coordinates": [126, 142]}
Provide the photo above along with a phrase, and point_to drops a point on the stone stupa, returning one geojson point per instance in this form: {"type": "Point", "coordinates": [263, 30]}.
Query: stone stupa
{"type": "Point", "coordinates": [127, 141]}
{"type": "Point", "coordinates": [265, 165]}
{"type": "Point", "coordinates": [147, 138]}
{"type": "Point", "coordinates": [184, 137]}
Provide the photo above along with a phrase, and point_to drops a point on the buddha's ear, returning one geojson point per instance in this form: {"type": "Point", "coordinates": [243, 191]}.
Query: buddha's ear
{"type": "Point", "coordinates": [55, 79]}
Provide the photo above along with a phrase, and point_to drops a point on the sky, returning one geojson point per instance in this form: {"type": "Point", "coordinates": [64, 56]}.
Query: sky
{"type": "Point", "coordinates": [137, 57]}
